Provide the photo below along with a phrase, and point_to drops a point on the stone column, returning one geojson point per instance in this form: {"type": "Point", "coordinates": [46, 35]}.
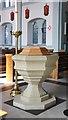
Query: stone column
{"type": "Point", "coordinates": [9, 67]}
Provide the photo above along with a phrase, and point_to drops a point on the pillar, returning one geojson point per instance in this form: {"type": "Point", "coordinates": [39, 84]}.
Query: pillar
{"type": "Point", "coordinates": [9, 67]}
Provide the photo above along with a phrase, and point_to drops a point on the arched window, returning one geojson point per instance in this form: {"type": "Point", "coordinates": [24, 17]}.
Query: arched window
{"type": "Point", "coordinates": [35, 33]}
{"type": "Point", "coordinates": [12, 2]}
{"type": "Point", "coordinates": [8, 3]}
{"type": "Point", "coordinates": [44, 32]}
{"type": "Point", "coordinates": [7, 40]}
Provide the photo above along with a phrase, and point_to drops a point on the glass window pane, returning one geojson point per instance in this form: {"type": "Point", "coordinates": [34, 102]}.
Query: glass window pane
{"type": "Point", "coordinates": [11, 2]}
{"type": "Point", "coordinates": [44, 32]}
{"type": "Point", "coordinates": [0, 1]}
{"type": "Point", "coordinates": [7, 3]}
{"type": "Point", "coordinates": [35, 33]}
{"type": "Point", "coordinates": [7, 35]}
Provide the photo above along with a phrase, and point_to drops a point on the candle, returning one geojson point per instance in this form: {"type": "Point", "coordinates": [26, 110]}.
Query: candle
{"type": "Point", "coordinates": [16, 14]}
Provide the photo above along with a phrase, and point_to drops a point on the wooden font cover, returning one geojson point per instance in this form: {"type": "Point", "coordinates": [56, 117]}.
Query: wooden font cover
{"type": "Point", "coordinates": [35, 50]}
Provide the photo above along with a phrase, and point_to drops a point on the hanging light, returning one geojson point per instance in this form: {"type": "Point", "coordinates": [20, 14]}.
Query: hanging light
{"type": "Point", "coordinates": [27, 13]}
{"type": "Point", "coordinates": [12, 16]}
{"type": "Point", "coordinates": [46, 10]}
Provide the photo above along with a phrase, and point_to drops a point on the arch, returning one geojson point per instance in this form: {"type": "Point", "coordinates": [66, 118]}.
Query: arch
{"type": "Point", "coordinates": [6, 23]}
{"type": "Point", "coordinates": [34, 19]}
{"type": "Point", "coordinates": [38, 29]}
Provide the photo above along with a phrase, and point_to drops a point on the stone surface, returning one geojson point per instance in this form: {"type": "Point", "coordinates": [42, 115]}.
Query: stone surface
{"type": "Point", "coordinates": [34, 69]}
{"type": "Point", "coordinates": [34, 106]}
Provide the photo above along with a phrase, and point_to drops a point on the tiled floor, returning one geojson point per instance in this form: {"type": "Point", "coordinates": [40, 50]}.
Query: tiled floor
{"type": "Point", "coordinates": [59, 90]}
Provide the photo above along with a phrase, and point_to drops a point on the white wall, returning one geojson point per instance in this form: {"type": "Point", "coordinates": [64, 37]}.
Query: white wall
{"type": "Point", "coordinates": [6, 19]}
{"type": "Point", "coordinates": [36, 11]}
{"type": "Point", "coordinates": [55, 25]}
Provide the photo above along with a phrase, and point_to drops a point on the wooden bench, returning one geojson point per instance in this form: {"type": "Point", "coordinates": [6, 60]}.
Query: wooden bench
{"type": "Point", "coordinates": [2, 63]}
{"type": "Point", "coordinates": [61, 65]}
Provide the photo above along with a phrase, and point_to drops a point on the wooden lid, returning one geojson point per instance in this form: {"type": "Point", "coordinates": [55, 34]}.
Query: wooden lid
{"type": "Point", "coordinates": [35, 50]}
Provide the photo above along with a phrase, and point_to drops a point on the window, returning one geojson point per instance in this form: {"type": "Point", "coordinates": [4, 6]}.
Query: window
{"type": "Point", "coordinates": [0, 1]}
{"type": "Point", "coordinates": [0, 4]}
{"type": "Point", "coordinates": [12, 2]}
{"type": "Point", "coordinates": [44, 32]}
{"type": "Point", "coordinates": [7, 37]}
{"type": "Point", "coordinates": [35, 33]}
{"type": "Point", "coordinates": [8, 3]}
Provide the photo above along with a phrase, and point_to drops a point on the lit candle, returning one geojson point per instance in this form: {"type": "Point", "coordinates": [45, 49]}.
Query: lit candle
{"type": "Point", "coordinates": [16, 14]}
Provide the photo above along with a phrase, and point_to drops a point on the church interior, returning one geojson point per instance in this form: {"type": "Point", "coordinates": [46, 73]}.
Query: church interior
{"type": "Point", "coordinates": [33, 59]}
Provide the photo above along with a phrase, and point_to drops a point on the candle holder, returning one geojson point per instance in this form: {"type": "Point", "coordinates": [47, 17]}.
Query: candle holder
{"type": "Point", "coordinates": [16, 90]}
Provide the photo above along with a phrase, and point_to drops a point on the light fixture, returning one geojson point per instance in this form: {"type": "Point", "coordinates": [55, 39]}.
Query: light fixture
{"type": "Point", "coordinates": [27, 13]}
{"type": "Point", "coordinates": [46, 10]}
{"type": "Point", "coordinates": [12, 16]}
